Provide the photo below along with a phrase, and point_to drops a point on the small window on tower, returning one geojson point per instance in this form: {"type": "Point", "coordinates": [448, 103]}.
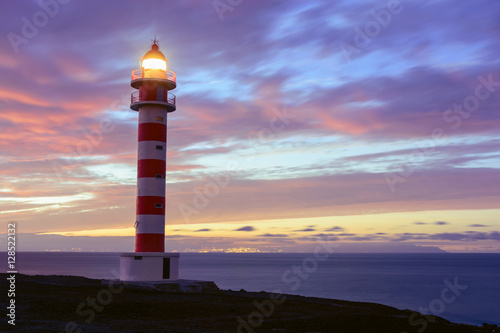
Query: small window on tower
{"type": "Point", "coordinates": [159, 147]}
{"type": "Point", "coordinates": [160, 119]}
{"type": "Point", "coordinates": [158, 205]}
{"type": "Point", "coordinates": [159, 176]}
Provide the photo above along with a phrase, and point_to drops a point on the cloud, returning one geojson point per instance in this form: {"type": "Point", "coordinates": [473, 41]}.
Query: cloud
{"type": "Point", "coordinates": [283, 198]}
{"type": "Point", "coordinates": [436, 223]}
{"type": "Point", "coordinates": [306, 230]}
{"type": "Point", "coordinates": [247, 228]}
{"type": "Point", "coordinates": [273, 235]}
{"type": "Point", "coordinates": [202, 230]}
{"type": "Point", "coordinates": [335, 229]}
{"type": "Point", "coordinates": [452, 236]}
{"type": "Point", "coordinates": [367, 238]}
{"type": "Point", "coordinates": [307, 239]}
{"type": "Point", "coordinates": [441, 223]}
{"type": "Point", "coordinates": [478, 225]}
{"type": "Point", "coordinates": [330, 235]}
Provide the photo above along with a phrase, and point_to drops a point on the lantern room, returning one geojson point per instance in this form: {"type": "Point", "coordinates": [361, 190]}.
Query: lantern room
{"type": "Point", "coordinates": [153, 81]}
{"type": "Point", "coordinates": [154, 60]}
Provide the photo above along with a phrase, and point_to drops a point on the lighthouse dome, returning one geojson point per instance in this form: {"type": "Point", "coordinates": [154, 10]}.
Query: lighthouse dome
{"type": "Point", "coordinates": [154, 53]}
{"type": "Point", "coordinates": [154, 59]}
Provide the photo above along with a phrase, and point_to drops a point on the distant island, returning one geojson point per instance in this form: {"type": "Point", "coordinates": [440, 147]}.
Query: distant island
{"type": "Point", "coordinates": [78, 304]}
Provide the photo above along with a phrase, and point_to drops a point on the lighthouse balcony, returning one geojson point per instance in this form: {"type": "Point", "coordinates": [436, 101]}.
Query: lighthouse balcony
{"type": "Point", "coordinates": [141, 98]}
{"type": "Point", "coordinates": [141, 76]}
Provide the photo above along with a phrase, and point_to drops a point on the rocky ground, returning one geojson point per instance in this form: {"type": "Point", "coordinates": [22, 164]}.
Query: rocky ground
{"type": "Point", "coordinates": [76, 304]}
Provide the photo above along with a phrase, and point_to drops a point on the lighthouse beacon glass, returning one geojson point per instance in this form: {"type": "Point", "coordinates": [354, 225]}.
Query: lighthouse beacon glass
{"type": "Point", "coordinates": [154, 64]}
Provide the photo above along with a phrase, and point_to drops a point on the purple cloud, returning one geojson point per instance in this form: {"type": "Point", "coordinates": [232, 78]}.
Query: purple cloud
{"type": "Point", "coordinates": [306, 230]}
{"type": "Point", "coordinates": [441, 223]}
{"type": "Point", "coordinates": [273, 235]}
{"type": "Point", "coordinates": [335, 229]}
{"type": "Point", "coordinates": [454, 236]}
{"type": "Point", "coordinates": [247, 228]}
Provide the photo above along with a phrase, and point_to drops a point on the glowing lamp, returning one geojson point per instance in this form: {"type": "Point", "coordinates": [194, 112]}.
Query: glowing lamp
{"type": "Point", "coordinates": [154, 59]}
{"type": "Point", "coordinates": [154, 64]}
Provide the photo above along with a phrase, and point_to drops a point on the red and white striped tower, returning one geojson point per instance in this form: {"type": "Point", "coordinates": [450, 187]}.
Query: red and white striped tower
{"type": "Point", "coordinates": [153, 101]}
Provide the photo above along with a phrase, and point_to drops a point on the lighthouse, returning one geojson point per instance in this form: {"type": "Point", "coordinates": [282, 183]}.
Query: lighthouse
{"type": "Point", "coordinates": [153, 101]}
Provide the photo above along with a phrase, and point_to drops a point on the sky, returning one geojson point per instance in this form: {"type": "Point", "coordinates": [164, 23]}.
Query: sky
{"type": "Point", "coordinates": [373, 125]}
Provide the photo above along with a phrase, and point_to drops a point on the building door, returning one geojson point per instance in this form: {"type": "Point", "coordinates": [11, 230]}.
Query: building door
{"type": "Point", "coordinates": [166, 268]}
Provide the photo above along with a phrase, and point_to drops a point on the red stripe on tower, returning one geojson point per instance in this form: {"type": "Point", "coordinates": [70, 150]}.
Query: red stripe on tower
{"type": "Point", "coordinates": [152, 132]}
{"type": "Point", "coordinates": [150, 205]}
{"type": "Point", "coordinates": [151, 168]}
{"type": "Point", "coordinates": [149, 242]}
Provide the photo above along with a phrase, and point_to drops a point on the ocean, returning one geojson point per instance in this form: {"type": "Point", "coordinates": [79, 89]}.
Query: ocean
{"type": "Point", "coordinates": [463, 288]}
